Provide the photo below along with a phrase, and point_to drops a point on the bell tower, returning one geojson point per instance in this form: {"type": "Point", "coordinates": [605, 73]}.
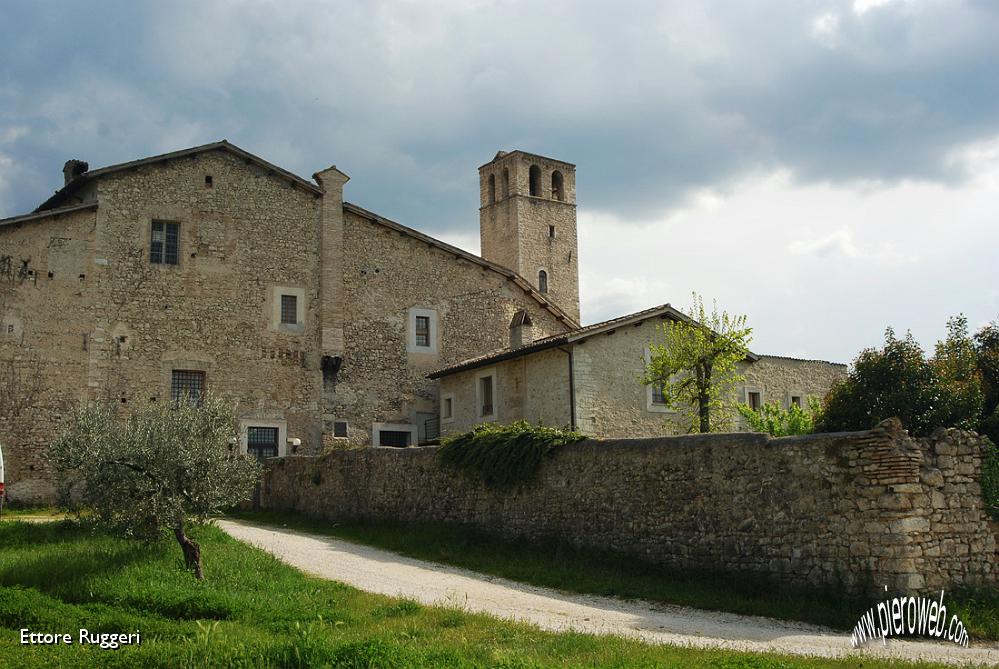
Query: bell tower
{"type": "Point", "coordinates": [527, 222]}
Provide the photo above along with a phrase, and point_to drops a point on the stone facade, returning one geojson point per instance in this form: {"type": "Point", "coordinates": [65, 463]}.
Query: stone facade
{"type": "Point", "coordinates": [604, 397]}
{"type": "Point", "coordinates": [855, 511]}
{"type": "Point", "coordinates": [282, 297]}
{"type": "Point", "coordinates": [527, 222]}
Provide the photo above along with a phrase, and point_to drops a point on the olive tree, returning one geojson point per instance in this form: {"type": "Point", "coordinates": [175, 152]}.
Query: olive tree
{"type": "Point", "coordinates": [694, 362]}
{"type": "Point", "coordinates": [155, 469]}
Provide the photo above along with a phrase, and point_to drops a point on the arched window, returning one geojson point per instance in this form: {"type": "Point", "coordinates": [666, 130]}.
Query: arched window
{"type": "Point", "coordinates": [506, 183]}
{"type": "Point", "coordinates": [535, 180]}
{"type": "Point", "coordinates": [558, 191]}
{"type": "Point", "coordinates": [543, 281]}
{"type": "Point", "coordinates": [492, 188]}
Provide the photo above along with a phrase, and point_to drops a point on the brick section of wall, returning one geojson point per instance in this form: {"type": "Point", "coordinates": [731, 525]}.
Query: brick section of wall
{"type": "Point", "coordinates": [852, 510]}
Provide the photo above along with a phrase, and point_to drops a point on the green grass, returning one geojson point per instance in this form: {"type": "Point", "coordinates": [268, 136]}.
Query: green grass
{"type": "Point", "coordinates": [254, 611]}
{"type": "Point", "coordinates": [566, 568]}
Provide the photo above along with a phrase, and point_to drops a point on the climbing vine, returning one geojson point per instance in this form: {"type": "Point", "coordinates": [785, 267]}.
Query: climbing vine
{"type": "Point", "coordinates": [503, 456]}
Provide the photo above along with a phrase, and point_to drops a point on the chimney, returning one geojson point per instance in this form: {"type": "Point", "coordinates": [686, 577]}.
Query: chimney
{"type": "Point", "coordinates": [521, 330]}
{"type": "Point", "coordinates": [72, 169]}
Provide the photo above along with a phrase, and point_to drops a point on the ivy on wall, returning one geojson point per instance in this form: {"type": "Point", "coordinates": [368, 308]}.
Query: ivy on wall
{"type": "Point", "coordinates": [502, 456]}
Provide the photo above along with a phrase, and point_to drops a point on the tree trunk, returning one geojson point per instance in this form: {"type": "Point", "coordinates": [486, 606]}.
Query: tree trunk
{"type": "Point", "coordinates": [704, 399]}
{"type": "Point", "coordinates": [192, 552]}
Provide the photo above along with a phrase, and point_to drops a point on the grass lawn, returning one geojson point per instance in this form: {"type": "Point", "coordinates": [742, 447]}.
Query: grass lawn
{"type": "Point", "coordinates": [566, 568]}
{"type": "Point", "coordinates": [254, 611]}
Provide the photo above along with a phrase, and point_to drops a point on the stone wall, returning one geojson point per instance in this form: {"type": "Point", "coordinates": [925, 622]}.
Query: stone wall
{"type": "Point", "coordinates": [610, 401]}
{"type": "Point", "coordinates": [852, 510]}
{"type": "Point", "coordinates": [387, 273]}
{"type": "Point", "coordinates": [96, 318]}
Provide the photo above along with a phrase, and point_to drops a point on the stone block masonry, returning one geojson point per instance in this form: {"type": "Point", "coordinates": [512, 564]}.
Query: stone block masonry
{"type": "Point", "coordinates": [853, 511]}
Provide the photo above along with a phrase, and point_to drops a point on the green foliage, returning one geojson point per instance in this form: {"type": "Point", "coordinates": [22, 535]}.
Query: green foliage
{"type": "Point", "coordinates": [961, 396]}
{"type": "Point", "coordinates": [899, 381]}
{"type": "Point", "coordinates": [987, 352]}
{"type": "Point", "coordinates": [503, 455]}
{"type": "Point", "coordinates": [695, 360]}
{"type": "Point", "coordinates": [990, 479]}
{"type": "Point", "coordinates": [777, 422]}
{"type": "Point", "coordinates": [154, 468]}
{"type": "Point", "coordinates": [260, 613]}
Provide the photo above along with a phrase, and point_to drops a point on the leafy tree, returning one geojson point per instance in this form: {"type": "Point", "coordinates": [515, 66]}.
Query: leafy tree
{"type": "Point", "coordinates": [986, 343]}
{"type": "Point", "coordinates": [694, 362]}
{"type": "Point", "coordinates": [961, 397]}
{"type": "Point", "coordinates": [777, 422]}
{"type": "Point", "coordinates": [899, 381]}
{"type": "Point", "coordinates": [154, 470]}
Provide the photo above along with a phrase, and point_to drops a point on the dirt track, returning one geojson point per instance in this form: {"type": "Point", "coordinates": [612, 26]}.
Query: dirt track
{"type": "Point", "coordinates": [388, 573]}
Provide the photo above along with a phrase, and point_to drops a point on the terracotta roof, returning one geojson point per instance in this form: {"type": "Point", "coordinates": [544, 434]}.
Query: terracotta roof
{"type": "Point", "coordinates": [224, 145]}
{"type": "Point", "coordinates": [47, 213]}
{"type": "Point", "coordinates": [788, 357]}
{"type": "Point", "coordinates": [579, 334]}
{"type": "Point", "coordinates": [520, 281]}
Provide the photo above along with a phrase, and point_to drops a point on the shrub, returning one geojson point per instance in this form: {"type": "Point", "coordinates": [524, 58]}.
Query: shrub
{"type": "Point", "coordinates": [898, 381]}
{"type": "Point", "coordinates": [777, 422]}
{"type": "Point", "coordinates": [503, 455]}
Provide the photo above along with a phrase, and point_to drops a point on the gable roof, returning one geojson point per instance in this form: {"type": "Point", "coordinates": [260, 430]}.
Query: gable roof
{"type": "Point", "coordinates": [64, 193]}
{"type": "Point", "coordinates": [578, 335]}
{"type": "Point", "coordinates": [59, 211]}
{"type": "Point", "coordinates": [509, 274]}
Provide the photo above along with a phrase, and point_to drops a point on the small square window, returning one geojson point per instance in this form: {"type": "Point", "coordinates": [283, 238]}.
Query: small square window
{"type": "Point", "coordinates": [289, 309]}
{"type": "Point", "coordinates": [795, 400]}
{"type": "Point", "coordinates": [164, 243]}
{"type": "Point", "coordinates": [187, 383]}
{"type": "Point", "coordinates": [340, 428]}
{"type": "Point", "coordinates": [423, 331]}
{"type": "Point", "coordinates": [658, 396]}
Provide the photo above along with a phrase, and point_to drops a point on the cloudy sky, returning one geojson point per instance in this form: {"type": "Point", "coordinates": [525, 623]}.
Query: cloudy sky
{"type": "Point", "coordinates": [828, 168]}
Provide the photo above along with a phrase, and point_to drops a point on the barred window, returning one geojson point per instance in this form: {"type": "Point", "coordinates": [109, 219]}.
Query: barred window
{"type": "Point", "coordinates": [187, 383]}
{"type": "Point", "coordinates": [423, 331]}
{"type": "Point", "coordinates": [164, 242]}
{"type": "Point", "coordinates": [658, 395]}
{"type": "Point", "coordinates": [262, 442]}
{"type": "Point", "coordinates": [289, 309]}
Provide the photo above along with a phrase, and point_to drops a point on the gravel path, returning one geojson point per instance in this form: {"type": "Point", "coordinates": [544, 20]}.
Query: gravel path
{"type": "Point", "coordinates": [379, 571]}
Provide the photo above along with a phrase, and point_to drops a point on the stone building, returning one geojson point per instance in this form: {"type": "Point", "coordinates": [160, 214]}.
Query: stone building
{"type": "Point", "coordinates": [589, 378]}
{"type": "Point", "coordinates": [211, 269]}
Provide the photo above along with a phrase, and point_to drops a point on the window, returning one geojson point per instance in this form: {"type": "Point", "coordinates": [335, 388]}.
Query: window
{"type": "Point", "coordinates": [395, 438]}
{"type": "Point", "coordinates": [423, 331]}
{"type": "Point", "coordinates": [164, 243]}
{"type": "Point", "coordinates": [658, 396]}
{"type": "Point", "coordinates": [289, 309]}
{"type": "Point", "coordinates": [796, 399]}
{"type": "Point", "coordinates": [558, 190]}
{"type": "Point", "coordinates": [506, 182]}
{"type": "Point", "coordinates": [543, 281]}
{"type": "Point", "coordinates": [187, 383]}
{"type": "Point", "coordinates": [340, 429]}
{"type": "Point", "coordinates": [208, 181]}
{"type": "Point", "coordinates": [492, 188]}
{"type": "Point", "coordinates": [754, 399]}
{"type": "Point", "coordinates": [447, 408]}
{"type": "Point", "coordinates": [534, 181]}
{"type": "Point", "coordinates": [262, 442]}
{"type": "Point", "coordinates": [551, 232]}
{"type": "Point", "coordinates": [486, 396]}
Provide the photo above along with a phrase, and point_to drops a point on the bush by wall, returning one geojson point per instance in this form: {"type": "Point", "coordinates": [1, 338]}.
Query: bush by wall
{"type": "Point", "coordinates": [503, 455]}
